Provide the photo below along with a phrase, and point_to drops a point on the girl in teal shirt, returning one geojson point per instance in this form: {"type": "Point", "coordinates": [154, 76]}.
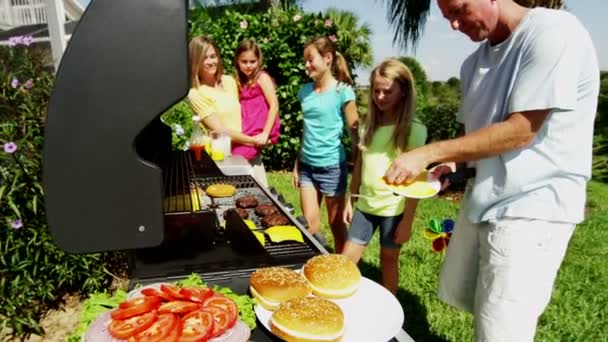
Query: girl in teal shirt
{"type": "Point", "coordinates": [328, 103]}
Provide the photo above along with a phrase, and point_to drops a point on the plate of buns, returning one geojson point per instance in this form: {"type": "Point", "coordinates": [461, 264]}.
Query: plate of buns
{"type": "Point", "coordinates": [327, 300]}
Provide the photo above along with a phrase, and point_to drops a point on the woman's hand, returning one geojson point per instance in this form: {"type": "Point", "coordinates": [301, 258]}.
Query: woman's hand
{"type": "Point", "coordinates": [347, 214]}
{"type": "Point", "coordinates": [295, 178]}
{"type": "Point", "coordinates": [261, 139]}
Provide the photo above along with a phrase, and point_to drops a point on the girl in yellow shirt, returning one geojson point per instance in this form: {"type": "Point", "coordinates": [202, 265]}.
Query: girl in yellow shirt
{"type": "Point", "coordinates": [387, 130]}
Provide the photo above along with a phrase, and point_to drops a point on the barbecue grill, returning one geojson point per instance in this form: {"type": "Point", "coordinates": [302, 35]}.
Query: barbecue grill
{"type": "Point", "coordinates": [112, 181]}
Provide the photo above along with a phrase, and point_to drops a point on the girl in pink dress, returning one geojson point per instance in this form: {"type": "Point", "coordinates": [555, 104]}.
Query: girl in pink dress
{"type": "Point", "coordinates": [259, 105]}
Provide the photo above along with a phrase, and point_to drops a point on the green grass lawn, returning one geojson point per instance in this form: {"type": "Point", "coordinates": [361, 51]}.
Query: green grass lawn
{"type": "Point", "coordinates": [579, 307]}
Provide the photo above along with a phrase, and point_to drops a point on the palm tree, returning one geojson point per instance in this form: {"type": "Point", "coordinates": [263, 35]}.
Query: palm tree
{"type": "Point", "coordinates": [354, 38]}
{"type": "Point", "coordinates": [408, 17]}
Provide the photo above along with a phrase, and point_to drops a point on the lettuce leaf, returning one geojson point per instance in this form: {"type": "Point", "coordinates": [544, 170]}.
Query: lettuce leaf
{"type": "Point", "coordinates": [95, 305]}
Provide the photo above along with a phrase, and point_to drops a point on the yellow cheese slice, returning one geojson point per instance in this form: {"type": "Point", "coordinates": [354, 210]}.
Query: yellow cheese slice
{"type": "Point", "coordinates": [283, 233]}
{"type": "Point", "coordinates": [260, 236]}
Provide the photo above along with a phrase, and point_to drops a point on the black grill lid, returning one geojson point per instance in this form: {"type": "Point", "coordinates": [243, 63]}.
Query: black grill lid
{"type": "Point", "coordinates": [126, 63]}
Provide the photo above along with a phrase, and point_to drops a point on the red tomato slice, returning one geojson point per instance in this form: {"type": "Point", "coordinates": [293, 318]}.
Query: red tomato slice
{"type": "Point", "coordinates": [196, 294]}
{"type": "Point", "coordinates": [222, 320]}
{"type": "Point", "coordinates": [126, 328]}
{"type": "Point", "coordinates": [175, 333]}
{"type": "Point", "coordinates": [223, 303]}
{"type": "Point", "coordinates": [159, 329]}
{"type": "Point", "coordinates": [135, 307]}
{"type": "Point", "coordinates": [197, 326]}
{"type": "Point", "coordinates": [156, 293]}
{"type": "Point", "coordinates": [139, 301]}
{"type": "Point", "coordinates": [171, 290]}
{"type": "Point", "coordinates": [178, 307]}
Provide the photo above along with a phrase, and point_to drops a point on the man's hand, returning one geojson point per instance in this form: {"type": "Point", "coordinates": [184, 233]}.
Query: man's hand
{"type": "Point", "coordinates": [406, 167]}
{"type": "Point", "coordinates": [443, 169]}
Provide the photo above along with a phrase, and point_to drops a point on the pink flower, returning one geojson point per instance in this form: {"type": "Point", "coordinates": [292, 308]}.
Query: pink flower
{"type": "Point", "coordinates": [27, 40]}
{"type": "Point", "coordinates": [10, 147]}
{"type": "Point", "coordinates": [16, 224]}
{"type": "Point", "coordinates": [328, 22]}
{"type": "Point", "coordinates": [297, 17]}
{"type": "Point", "coordinates": [244, 24]}
{"type": "Point", "coordinates": [14, 83]}
{"type": "Point", "coordinates": [333, 38]}
{"type": "Point", "coordinates": [28, 84]}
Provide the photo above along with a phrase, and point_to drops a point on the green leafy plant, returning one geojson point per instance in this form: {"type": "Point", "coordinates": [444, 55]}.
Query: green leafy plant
{"type": "Point", "coordinates": [34, 273]}
{"type": "Point", "coordinates": [440, 120]}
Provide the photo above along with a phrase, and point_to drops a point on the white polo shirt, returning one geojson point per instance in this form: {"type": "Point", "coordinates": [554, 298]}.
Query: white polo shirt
{"type": "Point", "coordinates": [548, 62]}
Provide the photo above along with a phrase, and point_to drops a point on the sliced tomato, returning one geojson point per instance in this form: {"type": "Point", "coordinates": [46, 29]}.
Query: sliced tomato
{"type": "Point", "coordinates": [222, 320]}
{"type": "Point", "coordinates": [156, 293]}
{"type": "Point", "coordinates": [125, 328]}
{"type": "Point", "coordinates": [139, 301]}
{"type": "Point", "coordinates": [196, 294]}
{"type": "Point", "coordinates": [159, 329]}
{"type": "Point", "coordinates": [223, 303]}
{"type": "Point", "coordinates": [171, 290]}
{"type": "Point", "coordinates": [135, 307]}
{"type": "Point", "coordinates": [175, 333]}
{"type": "Point", "coordinates": [197, 326]}
{"type": "Point", "coordinates": [178, 307]}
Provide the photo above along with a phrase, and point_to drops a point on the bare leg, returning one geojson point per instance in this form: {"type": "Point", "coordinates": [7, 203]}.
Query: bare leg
{"type": "Point", "coordinates": [335, 207]}
{"type": "Point", "coordinates": [389, 259]}
{"type": "Point", "coordinates": [353, 251]}
{"type": "Point", "coordinates": [310, 199]}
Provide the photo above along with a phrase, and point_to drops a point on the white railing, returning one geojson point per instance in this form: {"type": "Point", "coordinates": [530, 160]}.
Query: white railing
{"type": "Point", "coordinates": [22, 12]}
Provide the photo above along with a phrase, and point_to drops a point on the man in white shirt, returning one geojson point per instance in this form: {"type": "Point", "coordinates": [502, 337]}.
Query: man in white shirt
{"type": "Point", "coordinates": [529, 101]}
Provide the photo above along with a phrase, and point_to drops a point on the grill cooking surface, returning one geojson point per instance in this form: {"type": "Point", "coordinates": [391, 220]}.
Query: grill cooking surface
{"type": "Point", "coordinates": [203, 235]}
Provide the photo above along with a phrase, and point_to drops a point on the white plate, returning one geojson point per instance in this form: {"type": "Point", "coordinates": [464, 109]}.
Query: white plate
{"type": "Point", "coordinates": [407, 190]}
{"type": "Point", "coordinates": [371, 314]}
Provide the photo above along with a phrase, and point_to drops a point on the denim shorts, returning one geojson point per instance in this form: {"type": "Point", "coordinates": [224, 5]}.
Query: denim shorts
{"type": "Point", "coordinates": [330, 180]}
{"type": "Point", "coordinates": [364, 225]}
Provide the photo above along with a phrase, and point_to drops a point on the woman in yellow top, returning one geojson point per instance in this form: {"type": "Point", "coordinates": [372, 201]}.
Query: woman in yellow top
{"type": "Point", "coordinates": [214, 96]}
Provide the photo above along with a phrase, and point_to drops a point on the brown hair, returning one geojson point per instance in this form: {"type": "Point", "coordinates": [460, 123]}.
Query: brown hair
{"type": "Point", "coordinates": [197, 52]}
{"type": "Point", "coordinates": [399, 73]}
{"type": "Point", "coordinates": [248, 44]}
{"type": "Point", "coordinates": [339, 66]}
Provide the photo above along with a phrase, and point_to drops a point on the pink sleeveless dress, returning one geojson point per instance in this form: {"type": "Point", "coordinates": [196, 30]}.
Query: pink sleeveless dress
{"type": "Point", "coordinates": [254, 112]}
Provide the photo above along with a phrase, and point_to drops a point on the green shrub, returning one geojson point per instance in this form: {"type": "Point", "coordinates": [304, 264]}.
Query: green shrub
{"type": "Point", "coordinates": [281, 35]}
{"type": "Point", "coordinates": [34, 273]}
{"type": "Point", "coordinates": [440, 120]}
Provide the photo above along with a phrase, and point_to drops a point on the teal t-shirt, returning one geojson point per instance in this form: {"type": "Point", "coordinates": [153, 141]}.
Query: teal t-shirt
{"type": "Point", "coordinates": [323, 124]}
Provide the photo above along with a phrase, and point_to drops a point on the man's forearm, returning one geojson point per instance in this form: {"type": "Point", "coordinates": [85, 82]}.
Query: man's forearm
{"type": "Point", "coordinates": [516, 132]}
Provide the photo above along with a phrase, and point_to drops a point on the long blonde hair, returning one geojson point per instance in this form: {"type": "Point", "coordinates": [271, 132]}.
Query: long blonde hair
{"type": "Point", "coordinates": [248, 44]}
{"type": "Point", "coordinates": [339, 66]}
{"type": "Point", "coordinates": [197, 51]}
{"type": "Point", "coordinates": [399, 73]}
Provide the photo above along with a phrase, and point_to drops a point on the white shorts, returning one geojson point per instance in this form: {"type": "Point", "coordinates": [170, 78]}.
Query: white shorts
{"type": "Point", "coordinates": [503, 273]}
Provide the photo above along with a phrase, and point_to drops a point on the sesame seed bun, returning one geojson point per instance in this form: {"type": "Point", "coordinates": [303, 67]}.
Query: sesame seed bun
{"type": "Point", "coordinates": [308, 319]}
{"type": "Point", "coordinates": [332, 276]}
{"type": "Point", "coordinates": [271, 286]}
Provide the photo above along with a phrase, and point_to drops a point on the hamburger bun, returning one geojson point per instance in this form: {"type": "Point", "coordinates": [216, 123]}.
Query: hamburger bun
{"type": "Point", "coordinates": [271, 286]}
{"type": "Point", "coordinates": [308, 319]}
{"type": "Point", "coordinates": [332, 275]}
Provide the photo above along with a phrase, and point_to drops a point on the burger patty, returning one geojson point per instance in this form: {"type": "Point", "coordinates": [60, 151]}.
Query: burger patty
{"type": "Point", "coordinates": [266, 209]}
{"type": "Point", "coordinates": [276, 219]}
{"type": "Point", "coordinates": [248, 201]}
{"type": "Point", "coordinates": [242, 213]}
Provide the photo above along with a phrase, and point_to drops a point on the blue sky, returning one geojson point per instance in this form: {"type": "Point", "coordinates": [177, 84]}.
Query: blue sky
{"type": "Point", "coordinates": [441, 50]}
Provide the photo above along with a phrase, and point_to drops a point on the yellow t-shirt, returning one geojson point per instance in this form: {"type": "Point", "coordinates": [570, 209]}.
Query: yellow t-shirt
{"type": "Point", "coordinates": [376, 159]}
{"type": "Point", "coordinates": [206, 100]}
